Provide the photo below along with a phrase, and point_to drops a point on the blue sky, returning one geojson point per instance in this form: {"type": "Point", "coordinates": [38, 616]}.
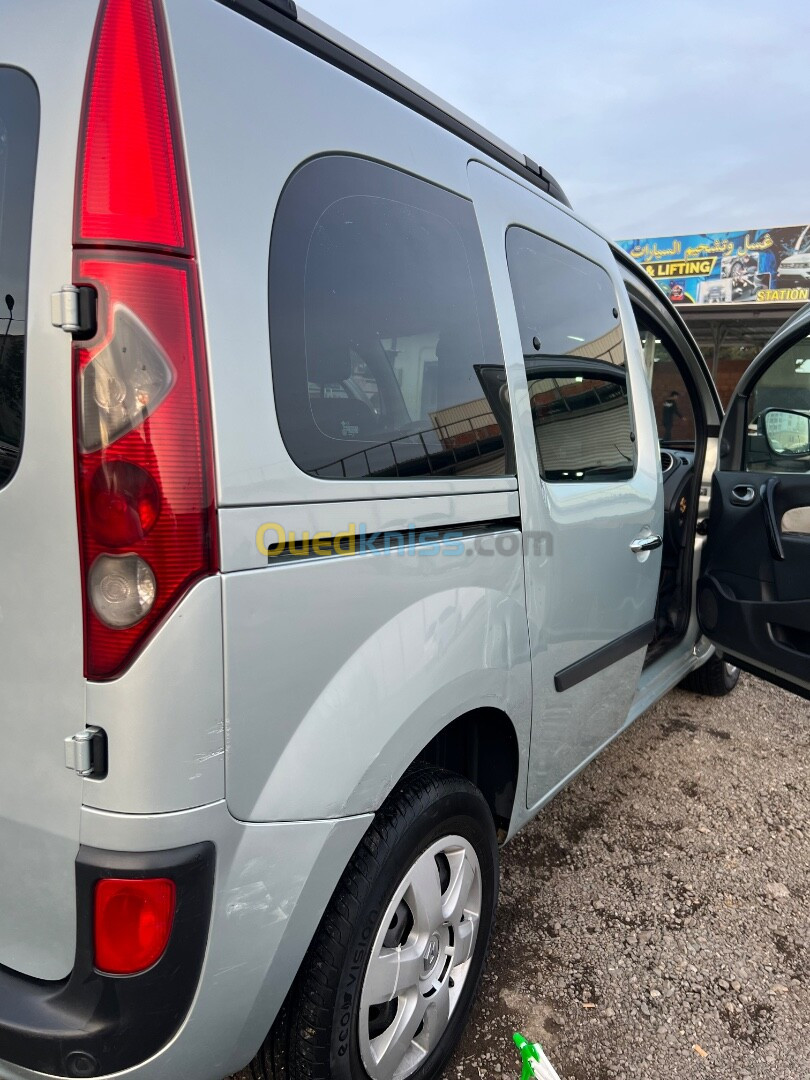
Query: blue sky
{"type": "Point", "coordinates": [657, 118]}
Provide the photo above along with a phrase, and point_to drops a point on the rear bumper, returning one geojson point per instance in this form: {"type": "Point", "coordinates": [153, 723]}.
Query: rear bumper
{"type": "Point", "coordinates": [91, 1023]}
{"type": "Point", "coordinates": [271, 886]}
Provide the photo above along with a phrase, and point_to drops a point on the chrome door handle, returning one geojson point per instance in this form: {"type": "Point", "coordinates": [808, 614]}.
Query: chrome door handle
{"type": "Point", "coordinates": [645, 543]}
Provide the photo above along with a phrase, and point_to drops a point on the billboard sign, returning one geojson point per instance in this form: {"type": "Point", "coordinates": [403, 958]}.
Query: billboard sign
{"type": "Point", "coordinates": [760, 266]}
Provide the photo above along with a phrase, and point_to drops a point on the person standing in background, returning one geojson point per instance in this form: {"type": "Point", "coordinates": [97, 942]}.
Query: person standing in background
{"type": "Point", "coordinates": [669, 413]}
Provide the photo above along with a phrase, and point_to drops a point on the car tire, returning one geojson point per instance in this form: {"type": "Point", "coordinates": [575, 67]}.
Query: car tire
{"type": "Point", "coordinates": [715, 678]}
{"type": "Point", "coordinates": [411, 918]}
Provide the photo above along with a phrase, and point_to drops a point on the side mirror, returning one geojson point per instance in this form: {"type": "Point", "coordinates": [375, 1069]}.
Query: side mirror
{"type": "Point", "coordinates": [787, 432]}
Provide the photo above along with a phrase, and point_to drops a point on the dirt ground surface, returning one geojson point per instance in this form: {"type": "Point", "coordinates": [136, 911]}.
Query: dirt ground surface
{"type": "Point", "coordinates": [654, 920]}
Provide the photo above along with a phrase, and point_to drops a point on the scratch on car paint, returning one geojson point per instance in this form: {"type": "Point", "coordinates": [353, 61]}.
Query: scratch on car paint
{"type": "Point", "coordinates": [231, 967]}
{"type": "Point", "coordinates": [253, 898]}
{"type": "Point", "coordinates": [201, 759]}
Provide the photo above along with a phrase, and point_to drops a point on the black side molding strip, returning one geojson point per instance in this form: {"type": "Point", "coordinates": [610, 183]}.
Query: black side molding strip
{"type": "Point", "coordinates": [261, 12]}
{"type": "Point", "coordinates": [605, 656]}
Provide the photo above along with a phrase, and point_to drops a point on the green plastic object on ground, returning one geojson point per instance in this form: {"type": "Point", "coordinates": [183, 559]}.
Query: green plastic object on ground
{"type": "Point", "coordinates": [535, 1062]}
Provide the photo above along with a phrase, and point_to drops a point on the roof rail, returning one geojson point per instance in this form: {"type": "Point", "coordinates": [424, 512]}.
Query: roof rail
{"type": "Point", "coordinates": [553, 188]}
{"type": "Point", "coordinates": [323, 41]}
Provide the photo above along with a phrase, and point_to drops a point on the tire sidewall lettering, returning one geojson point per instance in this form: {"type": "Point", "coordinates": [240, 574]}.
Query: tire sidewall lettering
{"type": "Point", "coordinates": [353, 983]}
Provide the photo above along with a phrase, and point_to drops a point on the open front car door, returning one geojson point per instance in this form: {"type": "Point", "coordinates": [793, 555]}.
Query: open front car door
{"type": "Point", "coordinates": [754, 589]}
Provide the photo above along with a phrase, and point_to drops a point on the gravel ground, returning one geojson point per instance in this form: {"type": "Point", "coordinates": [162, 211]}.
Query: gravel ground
{"type": "Point", "coordinates": [653, 920]}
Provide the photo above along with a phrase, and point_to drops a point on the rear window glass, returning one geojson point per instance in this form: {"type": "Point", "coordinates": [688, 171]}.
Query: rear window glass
{"type": "Point", "coordinates": [386, 357]}
{"type": "Point", "coordinates": [18, 133]}
{"type": "Point", "coordinates": [566, 305]}
{"type": "Point", "coordinates": [19, 128]}
{"type": "Point", "coordinates": [582, 423]}
{"type": "Point", "coordinates": [575, 360]}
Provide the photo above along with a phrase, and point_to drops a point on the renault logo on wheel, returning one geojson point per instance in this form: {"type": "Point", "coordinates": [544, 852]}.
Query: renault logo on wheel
{"type": "Point", "coordinates": [431, 953]}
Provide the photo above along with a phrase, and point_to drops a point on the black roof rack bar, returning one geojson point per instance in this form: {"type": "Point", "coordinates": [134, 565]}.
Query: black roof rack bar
{"type": "Point", "coordinates": [554, 188]}
{"type": "Point", "coordinates": [281, 17]}
{"type": "Point", "coordinates": [286, 7]}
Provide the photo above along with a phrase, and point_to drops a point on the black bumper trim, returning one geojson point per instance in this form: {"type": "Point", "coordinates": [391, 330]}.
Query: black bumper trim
{"type": "Point", "coordinates": [91, 1023]}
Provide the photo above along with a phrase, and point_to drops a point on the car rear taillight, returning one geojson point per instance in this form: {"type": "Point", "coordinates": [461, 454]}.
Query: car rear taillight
{"type": "Point", "coordinates": [131, 175]}
{"type": "Point", "coordinates": [144, 459]}
{"type": "Point", "coordinates": [132, 923]}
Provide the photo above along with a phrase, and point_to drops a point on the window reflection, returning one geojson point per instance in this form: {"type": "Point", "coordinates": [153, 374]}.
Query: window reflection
{"type": "Point", "coordinates": [674, 413]}
{"type": "Point", "coordinates": [19, 126]}
{"type": "Point", "coordinates": [582, 426]}
{"type": "Point", "coordinates": [382, 325]}
{"type": "Point", "coordinates": [566, 305]}
{"type": "Point", "coordinates": [575, 362]}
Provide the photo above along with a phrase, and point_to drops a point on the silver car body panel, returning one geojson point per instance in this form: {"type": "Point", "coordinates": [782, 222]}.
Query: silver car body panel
{"type": "Point", "coordinates": [355, 49]}
{"type": "Point", "coordinates": [405, 643]}
{"type": "Point", "coordinates": [263, 634]}
{"type": "Point", "coordinates": [327, 111]}
{"type": "Point", "coordinates": [41, 662]}
{"type": "Point", "coordinates": [171, 698]}
{"type": "Point", "coordinates": [584, 587]}
{"type": "Point", "coordinates": [248, 534]}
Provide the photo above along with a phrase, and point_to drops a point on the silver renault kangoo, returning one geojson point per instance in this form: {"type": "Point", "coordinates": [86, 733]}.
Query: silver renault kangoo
{"type": "Point", "coordinates": [354, 494]}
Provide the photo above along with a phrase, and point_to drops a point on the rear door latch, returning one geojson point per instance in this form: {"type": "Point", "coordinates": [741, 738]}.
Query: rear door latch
{"type": "Point", "coordinates": [86, 753]}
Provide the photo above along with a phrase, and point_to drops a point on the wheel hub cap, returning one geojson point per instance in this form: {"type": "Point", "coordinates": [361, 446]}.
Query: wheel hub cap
{"type": "Point", "coordinates": [411, 989]}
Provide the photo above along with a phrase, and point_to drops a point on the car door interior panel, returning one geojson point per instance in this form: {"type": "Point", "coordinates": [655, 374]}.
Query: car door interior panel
{"type": "Point", "coordinates": [797, 521]}
{"type": "Point", "coordinates": [754, 590]}
{"type": "Point", "coordinates": [753, 600]}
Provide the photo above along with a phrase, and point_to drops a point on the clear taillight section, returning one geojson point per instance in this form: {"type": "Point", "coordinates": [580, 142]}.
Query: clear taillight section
{"type": "Point", "coordinates": [144, 459]}
{"type": "Point", "coordinates": [122, 589]}
{"type": "Point", "coordinates": [123, 383]}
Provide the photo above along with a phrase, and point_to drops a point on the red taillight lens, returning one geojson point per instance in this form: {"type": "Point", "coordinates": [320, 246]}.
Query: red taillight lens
{"type": "Point", "coordinates": [132, 923]}
{"type": "Point", "coordinates": [125, 503]}
{"type": "Point", "coordinates": [132, 184]}
{"type": "Point", "coordinates": [144, 483]}
{"type": "Point", "coordinates": [144, 457]}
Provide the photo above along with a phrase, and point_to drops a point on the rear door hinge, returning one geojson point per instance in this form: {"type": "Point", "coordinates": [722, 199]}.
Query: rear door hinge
{"type": "Point", "coordinates": [86, 753]}
{"type": "Point", "coordinates": [73, 309]}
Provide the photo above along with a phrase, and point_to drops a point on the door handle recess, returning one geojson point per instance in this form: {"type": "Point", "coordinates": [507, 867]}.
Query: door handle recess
{"type": "Point", "coordinates": [743, 495]}
{"type": "Point", "coordinates": [645, 543]}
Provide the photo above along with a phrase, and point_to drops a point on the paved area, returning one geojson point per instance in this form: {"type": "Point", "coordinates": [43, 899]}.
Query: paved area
{"type": "Point", "coordinates": [653, 920]}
